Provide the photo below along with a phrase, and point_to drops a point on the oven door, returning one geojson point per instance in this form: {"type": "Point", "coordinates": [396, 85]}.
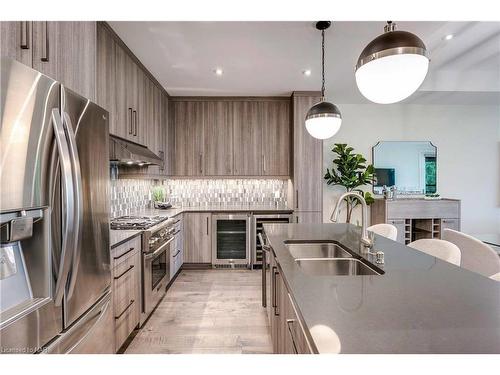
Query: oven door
{"type": "Point", "coordinates": [156, 273]}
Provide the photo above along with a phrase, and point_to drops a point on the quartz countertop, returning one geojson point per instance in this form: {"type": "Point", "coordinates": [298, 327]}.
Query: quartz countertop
{"type": "Point", "coordinates": [119, 236]}
{"type": "Point", "coordinates": [419, 305]}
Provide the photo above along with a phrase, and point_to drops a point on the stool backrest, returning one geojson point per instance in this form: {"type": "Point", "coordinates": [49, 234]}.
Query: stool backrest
{"type": "Point", "coordinates": [438, 248]}
{"type": "Point", "coordinates": [476, 255]}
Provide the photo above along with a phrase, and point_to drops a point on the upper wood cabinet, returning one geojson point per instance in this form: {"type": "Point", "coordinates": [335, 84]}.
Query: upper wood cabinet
{"type": "Point", "coordinates": [123, 113]}
{"type": "Point", "coordinates": [106, 80]}
{"type": "Point", "coordinates": [242, 137]}
{"type": "Point", "coordinates": [218, 134]}
{"type": "Point", "coordinates": [188, 122]}
{"type": "Point", "coordinates": [16, 41]}
{"type": "Point", "coordinates": [247, 138]}
{"type": "Point", "coordinates": [65, 51]}
{"type": "Point", "coordinates": [307, 158]}
{"type": "Point", "coordinates": [276, 138]}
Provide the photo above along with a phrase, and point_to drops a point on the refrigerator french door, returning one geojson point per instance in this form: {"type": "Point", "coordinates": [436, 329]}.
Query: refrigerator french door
{"type": "Point", "coordinates": [54, 158]}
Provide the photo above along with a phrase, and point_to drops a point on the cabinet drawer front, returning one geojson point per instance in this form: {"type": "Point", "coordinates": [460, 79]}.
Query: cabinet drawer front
{"type": "Point", "coordinates": [124, 251]}
{"type": "Point", "coordinates": [297, 337]}
{"type": "Point", "coordinates": [421, 209]}
{"type": "Point", "coordinates": [125, 323]}
{"type": "Point", "coordinates": [124, 284]}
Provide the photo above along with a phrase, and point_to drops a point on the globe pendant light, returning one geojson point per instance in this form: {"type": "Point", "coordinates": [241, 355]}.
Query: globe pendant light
{"type": "Point", "coordinates": [392, 66]}
{"type": "Point", "coordinates": [323, 119]}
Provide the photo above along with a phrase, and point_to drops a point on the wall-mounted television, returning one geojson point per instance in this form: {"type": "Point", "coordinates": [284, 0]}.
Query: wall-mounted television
{"type": "Point", "coordinates": [385, 176]}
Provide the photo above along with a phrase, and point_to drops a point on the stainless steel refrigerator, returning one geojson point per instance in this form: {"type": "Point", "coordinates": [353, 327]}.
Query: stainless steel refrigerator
{"type": "Point", "coordinates": [55, 278]}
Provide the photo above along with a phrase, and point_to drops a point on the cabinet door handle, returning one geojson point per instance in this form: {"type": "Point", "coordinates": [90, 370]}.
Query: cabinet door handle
{"type": "Point", "coordinates": [124, 272]}
{"type": "Point", "coordinates": [162, 156]}
{"type": "Point", "coordinates": [135, 123]}
{"type": "Point", "coordinates": [125, 253]}
{"type": "Point", "coordinates": [25, 32]}
{"type": "Point", "coordinates": [264, 163]}
{"type": "Point", "coordinates": [130, 120]}
{"type": "Point", "coordinates": [274, 292]}
{"type": "Point", "coordinates": [297, 198]}
{"type": "Point", "coordinates": [201, 163]}
{"type": "Point", "coordinates": [207, 225]}
{"type": "Point", "coordinates": [273, 283]}
{"type": "Point", "coordinates": [45, 42]}
{"type": "Point", "coordinates": [289, 323]}
{"type": "Point", "coordinates": [124, 311]}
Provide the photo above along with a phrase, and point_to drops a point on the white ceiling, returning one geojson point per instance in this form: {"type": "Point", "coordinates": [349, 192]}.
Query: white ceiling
{"type": "Point", "coordinates": [267, 58]}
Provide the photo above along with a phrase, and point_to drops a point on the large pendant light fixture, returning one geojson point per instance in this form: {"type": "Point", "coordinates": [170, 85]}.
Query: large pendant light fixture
{"type": "Point", "coordinates": [323, 119]}
{"type": "Point", "coordinates": [392, 66]}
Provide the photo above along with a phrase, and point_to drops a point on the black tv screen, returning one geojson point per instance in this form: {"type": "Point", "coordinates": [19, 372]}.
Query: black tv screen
{"type": "Point", "coordinates": [385, 176]}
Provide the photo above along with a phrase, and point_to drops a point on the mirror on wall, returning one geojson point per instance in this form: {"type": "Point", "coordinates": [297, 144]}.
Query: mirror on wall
{"type": "Point", "coordinates": [410, 166]}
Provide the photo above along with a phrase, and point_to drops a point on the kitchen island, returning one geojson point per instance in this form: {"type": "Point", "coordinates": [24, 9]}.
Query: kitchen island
{"type": "Point", "coordinates": [418, 304]}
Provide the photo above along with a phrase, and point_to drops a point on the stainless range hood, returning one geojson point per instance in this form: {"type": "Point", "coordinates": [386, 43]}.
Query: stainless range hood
{"type": "Point", "coordinates": [125, 152]}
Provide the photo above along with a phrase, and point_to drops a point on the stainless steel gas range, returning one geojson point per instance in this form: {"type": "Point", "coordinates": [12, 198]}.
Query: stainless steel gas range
{"type": "Point", "coordinates": [158, 233]}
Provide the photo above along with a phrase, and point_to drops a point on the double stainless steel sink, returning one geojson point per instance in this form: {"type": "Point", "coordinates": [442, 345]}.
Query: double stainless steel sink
{"type": "Point", "coordinates": [327, 258]}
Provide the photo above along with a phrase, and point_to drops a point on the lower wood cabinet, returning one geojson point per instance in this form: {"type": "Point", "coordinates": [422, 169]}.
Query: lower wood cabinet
{"type": "Point", "coordinates": [197, 237]}
{"type": "Point", "coordinates": [126, 283]}
{"type": "Point", "coordinates": [417, 219]}
{"type": "Point", "coordinates": [287, 332]}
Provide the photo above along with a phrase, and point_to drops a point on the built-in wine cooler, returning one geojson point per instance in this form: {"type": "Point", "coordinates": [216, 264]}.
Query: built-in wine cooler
{"type": "Point", "coordinates": [231, 240]}
{"type": "Point", "coordinates": [258, 221]}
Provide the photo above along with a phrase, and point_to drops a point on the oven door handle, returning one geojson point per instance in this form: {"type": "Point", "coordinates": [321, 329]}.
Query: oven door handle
{"type": "Point", "coordinates": [157, 251]}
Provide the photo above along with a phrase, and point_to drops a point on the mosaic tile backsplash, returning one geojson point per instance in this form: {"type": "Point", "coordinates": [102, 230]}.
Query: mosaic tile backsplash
{"type": "Point", "coordinates": [129, 195]}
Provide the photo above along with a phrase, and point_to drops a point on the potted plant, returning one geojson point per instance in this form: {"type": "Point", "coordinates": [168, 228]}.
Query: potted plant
{"type": "Point", "coordinates": [350, 171]}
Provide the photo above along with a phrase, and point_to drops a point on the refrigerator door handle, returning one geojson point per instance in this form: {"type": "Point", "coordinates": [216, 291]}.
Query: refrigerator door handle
{"type": "Point", "coordinates": [67, 183]}
{"type": "Point", "coordinates": [78, 200]}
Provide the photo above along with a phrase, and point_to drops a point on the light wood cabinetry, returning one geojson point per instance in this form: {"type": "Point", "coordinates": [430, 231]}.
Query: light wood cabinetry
{"type": "Point", "coordinates": [241, 137]}
{"type": "Point", "coordinates": [126, 273]}
{"type": "Point", "coordinates": [188, 123]}
{"type": "Point", "coordinates": [276, 138]}
{"type": "Point", "coordinates": [123, 113]}
{"type": "Point", "coordinates": [106, 94]}
{"type": "Point", "coordinates": [218, 135]}
{"type": "Point", "coordinates": [65, 51]}
{"type": "Point", "coordinates": [247, 133]}
{"type": "Point", "coordinates": [307, 163]}
{"type": "Point", "coordinates": [287, 332]}
{"type": "Point", "coordinates": [137, 103]}
{"type": "Point", "coordinates": [417, 218]}
{"type": "Point", "coordinates": [307, 158]}
{"type": "Point", "coordinates": [168, 138]}
{"type": "Point", "coordinates": [16, 41]}
{"type": "Point", "coordinates": [197, 237]}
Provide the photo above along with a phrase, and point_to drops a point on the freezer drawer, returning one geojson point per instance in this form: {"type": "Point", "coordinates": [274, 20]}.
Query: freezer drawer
{"type": "Point", "coordinates": [93, 333]}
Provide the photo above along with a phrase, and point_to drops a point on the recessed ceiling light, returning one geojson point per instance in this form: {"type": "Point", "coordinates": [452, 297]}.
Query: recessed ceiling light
{"type": "Point", "coordinates": [130, 162]}
{"type": "Point", "coordinates": [306, 72]}
{"type": "Point", "coordinates": [218, 71]}
{"type": "Point", "coordinates": [448, 37]}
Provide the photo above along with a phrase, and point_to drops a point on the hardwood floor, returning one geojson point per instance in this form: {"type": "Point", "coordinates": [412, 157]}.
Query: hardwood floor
{"type": "Point", "coordinates": [208, 311]}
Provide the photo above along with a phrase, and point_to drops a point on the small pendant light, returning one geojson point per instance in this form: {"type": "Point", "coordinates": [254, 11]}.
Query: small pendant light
{"type": "Point", "coordinates": [392, 66]}
{"type": "Point", "coordinates": [323, 119]}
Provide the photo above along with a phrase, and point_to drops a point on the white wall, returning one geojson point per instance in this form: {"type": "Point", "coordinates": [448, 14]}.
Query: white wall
{"type": "Point", "coordinates": [468, 142]}
{"type": "Point", "coordinates": [407, 159]}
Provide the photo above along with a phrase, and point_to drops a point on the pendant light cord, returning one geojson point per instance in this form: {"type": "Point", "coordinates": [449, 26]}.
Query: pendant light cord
{"type": "Point", "coordinates": [323, 65]}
